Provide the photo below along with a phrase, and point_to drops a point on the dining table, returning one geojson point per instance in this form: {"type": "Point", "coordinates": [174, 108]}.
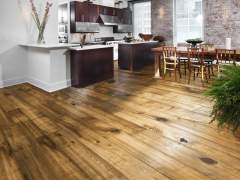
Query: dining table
{"type": "Point", "coordinates": [182, 52]}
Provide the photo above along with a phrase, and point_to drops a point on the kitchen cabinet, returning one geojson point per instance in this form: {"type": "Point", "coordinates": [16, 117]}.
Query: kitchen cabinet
{"type": "Point", "coordinates": [91, 66]}
{"type": "Point", "coordinates": [93, 13]}
{"type": "Point", "coordinates": [88, 12]}
{"type": "Point", "coordinates": [84, 12]}
{"type": "Point", "coordinates": [124, 15]}
{"type": "Point", "coordinates": [135, 56]}
{"type": "Point", "coordinates": [107, 10]}
{"type": "Point", "coordinates": [81, 12]}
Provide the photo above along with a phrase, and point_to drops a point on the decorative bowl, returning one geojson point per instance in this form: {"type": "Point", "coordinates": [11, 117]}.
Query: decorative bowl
{"type": "Point", "coordinates": [146, 37]}
{"type": "Point", "coordinates": [194, 42]}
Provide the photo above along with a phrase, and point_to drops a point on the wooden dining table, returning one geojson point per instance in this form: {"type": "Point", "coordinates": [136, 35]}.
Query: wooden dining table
{"type": "Point", "coordinates": [181, 52]}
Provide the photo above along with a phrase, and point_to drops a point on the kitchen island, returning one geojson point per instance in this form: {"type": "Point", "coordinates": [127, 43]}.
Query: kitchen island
{"type": "Point", "coordinates": [134, 56]}
{"type": "Point", "coordinates": [91, 64]}
{"type": "Point", "coordinates": [48, 65]}
{"type": "Point", "coordinates": [53, 67]}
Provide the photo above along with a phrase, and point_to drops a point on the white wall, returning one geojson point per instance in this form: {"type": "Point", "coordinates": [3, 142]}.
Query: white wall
{"type": "Point", "coordinates": [16, 28]}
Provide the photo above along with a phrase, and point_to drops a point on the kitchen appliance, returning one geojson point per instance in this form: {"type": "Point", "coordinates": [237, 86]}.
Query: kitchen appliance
{"type": "Point", "coordinates": [86, 27]}
{"type": "Point", "coordinates": [110, 41]}
{"type": "Point", "coordinates": [123, 28]}
{"type": "Point", "coordinates": [108, 20]}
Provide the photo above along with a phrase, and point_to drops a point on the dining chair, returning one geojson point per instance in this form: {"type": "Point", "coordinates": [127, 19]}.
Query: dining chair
{"type": "Point", "coordinates": [225, 57]}
{"type": "Point", "coordinates": [196, 64]}
{"type": "Point", "coordinates": [183, 60]}
{"type": "Point", "coordinates": [208, 58]}
{"type": "Point", "coordinates": [170, 61]}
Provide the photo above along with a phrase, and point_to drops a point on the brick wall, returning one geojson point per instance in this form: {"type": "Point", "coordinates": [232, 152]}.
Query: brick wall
{"type": "Point", "coordinates": [162, 19]}
{"type": "Point", "coordinates": [221, 20]}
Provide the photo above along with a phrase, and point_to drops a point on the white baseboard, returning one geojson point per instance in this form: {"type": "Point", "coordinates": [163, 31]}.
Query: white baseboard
{"type": "Point", "coordinates": [12, 82]}
{"type": "Point", "coordinates": [42, 85]}
{"type": "Point", "coordinates": [49, 87]}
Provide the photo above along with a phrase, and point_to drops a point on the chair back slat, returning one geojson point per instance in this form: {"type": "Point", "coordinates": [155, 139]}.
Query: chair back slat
{"type": "Point", "coordinates": [225, 56]}
{"type": "Point", "coordinates": [196, 56]}
{"type": "Point", "coordinates": [169, 51]}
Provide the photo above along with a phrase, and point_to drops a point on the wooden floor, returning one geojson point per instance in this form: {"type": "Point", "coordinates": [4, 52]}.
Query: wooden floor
{"type": "Point", "coordinates": [135, 127]}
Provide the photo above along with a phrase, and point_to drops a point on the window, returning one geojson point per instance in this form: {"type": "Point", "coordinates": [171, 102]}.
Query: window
{"type": "Point", "coordinates": [188, 20]}
{"type": "Point", "coordinates": [142, 18]}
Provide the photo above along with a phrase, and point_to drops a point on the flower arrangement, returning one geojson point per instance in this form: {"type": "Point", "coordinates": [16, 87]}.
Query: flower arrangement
{"type": "Point", "coordinates": [40, 25]}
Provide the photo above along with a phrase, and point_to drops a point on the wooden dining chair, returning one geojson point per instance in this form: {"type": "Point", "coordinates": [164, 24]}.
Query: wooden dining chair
{"type": "Point", "coordinates": [208, 58]}
{"type": "Point", "coordinates": [183, 60]}
{"type": "Point", "coordinates": [170, 61]}
{"type": "Point", "coordinates": [196, 64]}
{"type": "Point", "coordinates": [225, 57]}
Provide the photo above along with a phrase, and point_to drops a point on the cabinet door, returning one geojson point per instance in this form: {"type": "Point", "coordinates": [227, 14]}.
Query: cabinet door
{"type": "Point", "coordinates": [119, 14]}
{"type": "Point", "coordinates": [93, 13]}
{"type": "Point", "coordinates": [81, 12]}
{"type": "Point", "coordinates": [106, 10]}
{"type": "Point", "coordinates": [127, 16]}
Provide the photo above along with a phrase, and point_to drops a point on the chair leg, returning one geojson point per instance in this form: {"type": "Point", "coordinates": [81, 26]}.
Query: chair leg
{"type": "Point", "coordinates": [179, 69]}
{"type": "Point", "coordinates": [164, 69]}
{"type": "Point", "coordinates": [189, 76]}
{"type": "Point", "coordinates": [194, 74]}
{"type": "Point", "coordinates": [202, 73]}
{"type": "Point", "coordinates": [175, 73]}
{"type": "Point", "coordinates": [185, 67]}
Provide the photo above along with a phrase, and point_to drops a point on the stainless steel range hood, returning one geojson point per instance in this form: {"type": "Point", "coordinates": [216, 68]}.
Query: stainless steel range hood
{"type": "Point", "coordinates": [123, 28]}
{"type": "Point", "coordinates": [108, 20]}
{"type": "Point", "coordinates": [86, 27]}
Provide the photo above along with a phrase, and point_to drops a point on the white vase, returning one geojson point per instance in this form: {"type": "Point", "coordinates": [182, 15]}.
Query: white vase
{"type": "Point", "coordinates": [228, 43]}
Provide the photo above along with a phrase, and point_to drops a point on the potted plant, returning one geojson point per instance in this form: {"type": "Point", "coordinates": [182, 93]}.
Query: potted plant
{"type": "Point", "coordinates": [225, 91]}
{"type": "Point", "coordinates": [194, 42]}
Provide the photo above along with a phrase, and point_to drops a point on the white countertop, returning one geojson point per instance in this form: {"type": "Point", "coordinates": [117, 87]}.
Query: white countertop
{"type": "Point", "coordinates": [138, 42]}
{"type": "Point", "coordinates": [88, 47]}
{"type": "Point", "coordinates": [50, 45]}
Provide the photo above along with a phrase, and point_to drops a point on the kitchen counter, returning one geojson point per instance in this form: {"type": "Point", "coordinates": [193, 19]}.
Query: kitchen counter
{"type": "Point", "coordinates": [89, 47]}
{"type": "Point", "coordinates": [138, 42]}
{"type": "Point", "coordinates": [50, 45]}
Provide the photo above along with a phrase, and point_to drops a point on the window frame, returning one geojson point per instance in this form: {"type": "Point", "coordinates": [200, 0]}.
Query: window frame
{"type": "Point", "coordinates": [133, 18]}
{"type": "Point", "coordinates": [175, 25]}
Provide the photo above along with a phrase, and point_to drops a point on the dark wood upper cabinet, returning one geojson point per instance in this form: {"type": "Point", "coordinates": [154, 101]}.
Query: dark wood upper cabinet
{"type": "Point", "coordinates": [110, 11]}
{"type": "Point", "coordinates": [124, 15]}
{"type": "Point", "coordinates": [87, 12]}
{"type": "Point", "coordinates": [81, 12]}
{"type": "Point", "coordinates": [93, 13]}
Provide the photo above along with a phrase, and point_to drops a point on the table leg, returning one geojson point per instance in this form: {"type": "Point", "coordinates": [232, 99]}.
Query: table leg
{"type": "Point", "coordinates": [157, 67]}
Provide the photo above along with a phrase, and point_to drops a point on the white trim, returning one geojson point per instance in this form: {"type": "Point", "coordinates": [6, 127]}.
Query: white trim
{"type": "Point", "coordinates": [12, 82]}
{"type": "Point", "coordinates": [42, 85]}
{"type": "Point", "coordinates": [48, 86]}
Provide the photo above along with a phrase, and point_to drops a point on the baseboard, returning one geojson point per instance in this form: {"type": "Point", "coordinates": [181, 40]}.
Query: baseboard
{"type": "Point", "coordinates": [42, 85]}
{"type": "Point", "coordinates": [49, 87]}
{"type": "Point", "coordinates": [12, 82]}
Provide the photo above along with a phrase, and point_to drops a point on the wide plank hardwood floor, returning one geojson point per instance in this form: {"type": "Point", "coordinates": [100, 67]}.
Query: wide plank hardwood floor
{"type": "Point", "coordinates": [133, 127]}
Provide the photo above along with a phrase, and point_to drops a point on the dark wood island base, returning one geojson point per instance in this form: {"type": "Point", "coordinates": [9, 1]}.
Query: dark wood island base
{"type": "Point", "coordinates": [91, 66]}
{"type": "Point", "coordinates": [134, 56]}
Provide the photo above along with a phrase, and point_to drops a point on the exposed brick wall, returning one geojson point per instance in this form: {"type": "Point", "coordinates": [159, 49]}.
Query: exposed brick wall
{"type": "Point", "coordinates": [162, 19]}
{"type": "Point", "coordinates": [221, 20]}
